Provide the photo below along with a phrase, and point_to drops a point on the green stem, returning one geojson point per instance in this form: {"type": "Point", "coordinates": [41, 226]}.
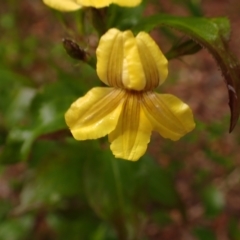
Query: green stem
{"type": "Point", "coordinates": [118, 183]}
{"type": "Point", "coordinates": [119, 221]}
{"type": "Point", "coordinates": [98, 17]}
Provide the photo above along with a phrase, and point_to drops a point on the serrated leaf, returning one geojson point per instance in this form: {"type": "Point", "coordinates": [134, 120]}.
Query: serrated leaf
{"type": "Point", "coordinates": [212, 34]}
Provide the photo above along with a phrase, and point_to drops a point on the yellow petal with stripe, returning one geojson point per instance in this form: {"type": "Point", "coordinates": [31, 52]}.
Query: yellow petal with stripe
{"type": "Point", "coordinates": [72, 5]}
{"type": "Point", "coordinates": [130, 138]}
{"type": "Point", "coordinates": [133, 76]}
{"type": "Point", "coordinates": [105, 3]}
{"type": "Point", "coordinates": [96, 114]}
{"type": "Point", "coordinates": [154, 62]}
{"type": "Point", "coordinates": [127, 3]}
{"type": "Point", "coordinates": [63, 5]}
{"type": "Point", "coordinates": [110, 58]}
{"type": "Point", "coordinates": [95, 3]}
{"type": "Point", "coordinates": [168, 115]}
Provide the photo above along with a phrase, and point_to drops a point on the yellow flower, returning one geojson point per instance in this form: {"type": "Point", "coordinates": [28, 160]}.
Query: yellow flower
{"type": "Point", "coordinates": [129, 110]}
{"type": "Point", "coordinates": [72, 5]}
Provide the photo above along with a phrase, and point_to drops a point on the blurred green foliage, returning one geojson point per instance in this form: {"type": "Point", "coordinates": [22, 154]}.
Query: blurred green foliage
{"type": "Point", "coordinates": [53, 187]}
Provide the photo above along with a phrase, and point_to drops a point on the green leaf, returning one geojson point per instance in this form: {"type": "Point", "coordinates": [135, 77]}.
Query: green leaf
{"type": "Point", "coordinates": [58, 172]}
{"type": "Point", "coordinates": [49, 118]}
{"type": "Point", "coordinates": [118, 190]}
{"type": "Point", "coordinates": [124, 18]}
{"type": "Point", "coordinates": [224, 27]}
{"type": "Point", "coordinates": [19, 106]}
{"type": "Point", "coordinates": [17, 145]}
{"type": "Point", "coordinates": [31, 114]}
{"type": "Point", "coordinates": [183, 48]}
{"type": "Point", "coordinates": [114, 188]}
{"type": "Point", "coordinates": [212, 34]}
{"type": "Point", "coordinates": [12, 86]}
{"type": "Point", "coordinates": [103, 194]}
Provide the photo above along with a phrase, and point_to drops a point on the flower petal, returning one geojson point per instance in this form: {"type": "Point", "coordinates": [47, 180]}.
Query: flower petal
{"type": "Point", "coordinates": [127, 3]}
{"type": "Point", "coordinates": [64, 5]}
{"type": "Point", "coordinates": [72, 5]}
{"type": "Point", "coordinates": [95, 3]}
{"type": "Point", "coordinates": [154, 62]}
{"type": "Point", "coordinates": [168, 115]}
{"type": "Point", "coordinates": [133, 76]}
{"type": "Point", "coordinates": [110, 58]}
{"type": "Point", "coordinates": [132, 63]}
{"type": "Point", "coordinates": [118, 61]}
{"type": "Point", "coordinates": [105, 3]}
{"type": "Point", "coordinates": [130, 138]}
{"type": "Point", "coordinates": [96, 114]}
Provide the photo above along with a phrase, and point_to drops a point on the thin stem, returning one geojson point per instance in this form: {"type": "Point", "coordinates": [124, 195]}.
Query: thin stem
{"type": "Point", "coordinates": [119, 220]}
{"type": "Point", "coordinates": [118, 183]}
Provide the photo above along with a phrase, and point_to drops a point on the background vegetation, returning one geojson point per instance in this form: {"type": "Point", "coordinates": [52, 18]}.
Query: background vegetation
{"type": "Point", "coordinates": [55, 188]}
